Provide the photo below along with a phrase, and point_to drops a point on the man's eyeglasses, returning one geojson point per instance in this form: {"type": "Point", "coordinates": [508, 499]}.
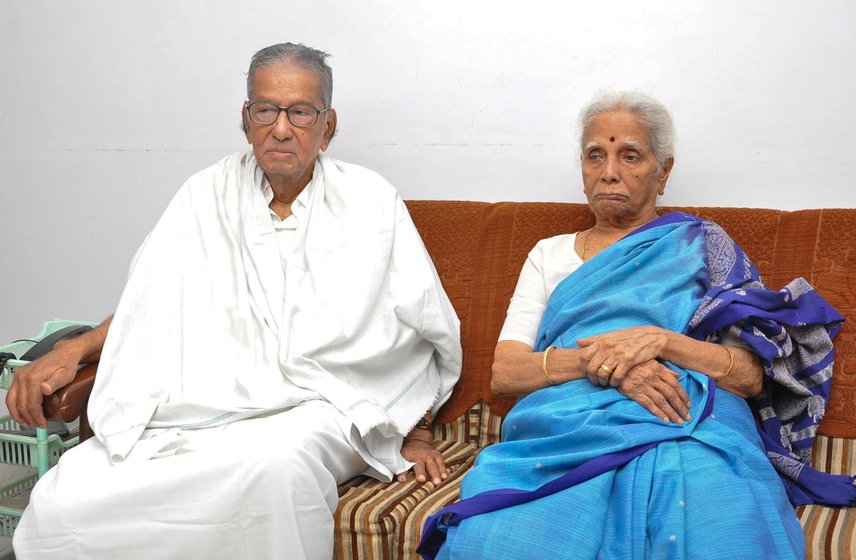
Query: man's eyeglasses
{"type": "Point", "coordinates": [300, 115]}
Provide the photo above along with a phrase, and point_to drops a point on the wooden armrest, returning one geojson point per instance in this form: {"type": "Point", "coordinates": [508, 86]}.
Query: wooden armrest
{"type": "Point", "coordinates": [69, 402]}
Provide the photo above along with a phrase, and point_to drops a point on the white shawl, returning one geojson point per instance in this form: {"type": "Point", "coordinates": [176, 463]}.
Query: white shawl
{"type": "Point", "coordinates": [201, 336]}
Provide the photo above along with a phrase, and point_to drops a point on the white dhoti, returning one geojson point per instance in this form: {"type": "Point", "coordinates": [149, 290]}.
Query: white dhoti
{"type": "Point", "coordinates": [260, 488]}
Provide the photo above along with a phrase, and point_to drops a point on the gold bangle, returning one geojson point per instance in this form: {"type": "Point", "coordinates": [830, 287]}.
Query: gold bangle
{"type": "Point", "coordinates": [730, 362]}
{"type": "Point", "coordinates": [544, 364]}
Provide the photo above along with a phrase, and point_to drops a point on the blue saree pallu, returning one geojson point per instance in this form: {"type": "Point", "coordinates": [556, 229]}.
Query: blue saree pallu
{"type": "Point", "coordinates": [584, 472]}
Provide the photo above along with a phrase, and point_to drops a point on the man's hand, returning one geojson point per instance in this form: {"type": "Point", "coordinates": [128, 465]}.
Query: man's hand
{"type": "Point", "coordinates": [656, 387]}
{"type": "Point", "coordinates": [418, 448]}
{"type": "Point", "coordinates": [38, 379]}
{"type": "Point", "coordinates": [52, 371]}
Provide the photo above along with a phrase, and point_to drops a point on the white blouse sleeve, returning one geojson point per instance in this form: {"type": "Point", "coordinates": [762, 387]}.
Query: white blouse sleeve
{"type": "Point", "coordinates": [547, 264]}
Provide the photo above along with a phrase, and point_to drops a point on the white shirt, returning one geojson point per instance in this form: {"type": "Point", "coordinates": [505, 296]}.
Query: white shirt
{"type": "Point", "coordinates": [286, 229]}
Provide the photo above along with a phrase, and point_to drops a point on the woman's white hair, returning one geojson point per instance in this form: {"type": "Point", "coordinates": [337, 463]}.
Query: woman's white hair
{"type": "Point", "coordinates": [653, 117]}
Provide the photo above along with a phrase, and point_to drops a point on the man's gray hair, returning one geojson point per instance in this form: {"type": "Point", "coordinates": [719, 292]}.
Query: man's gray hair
{"type": "Point", "coordinates": [652, 115]}
{"type": "Point", "coordinates": [300, 55]}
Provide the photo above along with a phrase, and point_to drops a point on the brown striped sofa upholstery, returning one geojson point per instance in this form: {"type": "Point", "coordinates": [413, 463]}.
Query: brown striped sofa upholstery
{"type": "Point", "coordinates": [478, 249]}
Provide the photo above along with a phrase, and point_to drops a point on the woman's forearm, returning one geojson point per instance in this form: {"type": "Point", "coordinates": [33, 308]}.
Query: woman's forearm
{"type": "Point", "coordinates": [518, 370]}
{"type": "Point", "coordinates": [745, 372]}
{"type": "Point", "coordinates": [613, 354]}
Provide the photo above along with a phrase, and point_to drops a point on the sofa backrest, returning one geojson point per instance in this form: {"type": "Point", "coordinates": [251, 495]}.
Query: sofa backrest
{"type": "Point", "coordinates": [479, 248]}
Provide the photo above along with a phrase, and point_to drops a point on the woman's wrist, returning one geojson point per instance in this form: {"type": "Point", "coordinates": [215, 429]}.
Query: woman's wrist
{"type": "Point", "coordinates": [566, 364]}
{"type": "Point", "coordinates": [669, 345]}
{"type": "Point", "coordinates": [709, 358]}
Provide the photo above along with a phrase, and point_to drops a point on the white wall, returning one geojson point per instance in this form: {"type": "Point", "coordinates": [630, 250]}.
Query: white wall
{"type": "Point", "coordinates": [106, 107]}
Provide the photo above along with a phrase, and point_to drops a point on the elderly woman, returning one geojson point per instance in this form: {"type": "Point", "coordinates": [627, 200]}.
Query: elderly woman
{"type": "Point", "coordinates": [632, 346]}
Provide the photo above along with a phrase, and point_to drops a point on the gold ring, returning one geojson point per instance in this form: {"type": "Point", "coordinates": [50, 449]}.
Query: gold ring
{"type": "Point", "coordinates": [430, 460]}
{"type": "Point", "coordinates": [606, 368]}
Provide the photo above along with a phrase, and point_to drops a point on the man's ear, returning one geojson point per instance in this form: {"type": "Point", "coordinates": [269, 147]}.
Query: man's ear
{"type": "Point", "coordinates": [245, 122]}
{"type": "Point", "coordinates": [664, 174]}
{"type": "Point", "coordinates": [330, 131]}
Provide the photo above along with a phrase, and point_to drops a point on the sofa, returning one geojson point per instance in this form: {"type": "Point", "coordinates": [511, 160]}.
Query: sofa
{"type": "Point", "coordinates": [478, 249]}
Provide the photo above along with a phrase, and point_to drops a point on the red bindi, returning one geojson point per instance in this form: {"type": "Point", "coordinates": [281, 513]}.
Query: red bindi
{"type": "Point", "coordinates": [612, 138]}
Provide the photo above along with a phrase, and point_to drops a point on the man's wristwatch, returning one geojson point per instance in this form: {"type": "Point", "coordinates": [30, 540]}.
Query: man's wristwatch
{"type": "Point", "coordinates": [423, 424]}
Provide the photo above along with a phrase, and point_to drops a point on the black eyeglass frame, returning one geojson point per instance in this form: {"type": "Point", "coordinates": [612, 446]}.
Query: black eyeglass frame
{"type": "Point", "coordinates": [318, 112]}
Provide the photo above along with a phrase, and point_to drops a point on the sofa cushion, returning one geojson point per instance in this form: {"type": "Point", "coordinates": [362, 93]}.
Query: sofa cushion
{"type": "Point", "coordinates": [830, 533]}
{"type": "Point", "coordinates": [384, 520]}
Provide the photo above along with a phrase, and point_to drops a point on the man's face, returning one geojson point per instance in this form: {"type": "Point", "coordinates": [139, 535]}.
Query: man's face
{"type": "Point", "coordinates": [285, 152]}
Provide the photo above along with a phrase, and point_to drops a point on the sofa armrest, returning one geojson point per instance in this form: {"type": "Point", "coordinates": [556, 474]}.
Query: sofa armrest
{"type": "Point", "coordinates": [69, 402]}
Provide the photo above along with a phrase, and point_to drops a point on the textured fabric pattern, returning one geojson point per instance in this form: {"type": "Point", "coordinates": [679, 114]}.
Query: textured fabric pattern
{"type": "Point", "coordinates": [830, 533]}
{"type": "Point", "coordinates": [451, 233]}
{"type": "Point", "coordinates": [833, 272]}
{"type": "Point", "coordinates": [790, 331]}
{"type": "Point", "coordinates": [378, 520]}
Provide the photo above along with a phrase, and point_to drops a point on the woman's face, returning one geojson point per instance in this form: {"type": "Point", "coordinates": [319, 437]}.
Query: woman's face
{"type": "Point", "coordinates": [620, 174]}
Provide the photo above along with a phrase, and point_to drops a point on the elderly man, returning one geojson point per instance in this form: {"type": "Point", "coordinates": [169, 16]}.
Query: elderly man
{"type": "Point", "coordinates": [282, 330]}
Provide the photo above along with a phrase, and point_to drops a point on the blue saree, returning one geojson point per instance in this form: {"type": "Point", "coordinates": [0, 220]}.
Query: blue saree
{"type": "Point", "coordinates": [584, 472]}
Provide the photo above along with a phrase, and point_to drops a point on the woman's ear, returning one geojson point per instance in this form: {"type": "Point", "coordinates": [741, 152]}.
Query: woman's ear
{"type": "Point", "coordinates": [664, 174]}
